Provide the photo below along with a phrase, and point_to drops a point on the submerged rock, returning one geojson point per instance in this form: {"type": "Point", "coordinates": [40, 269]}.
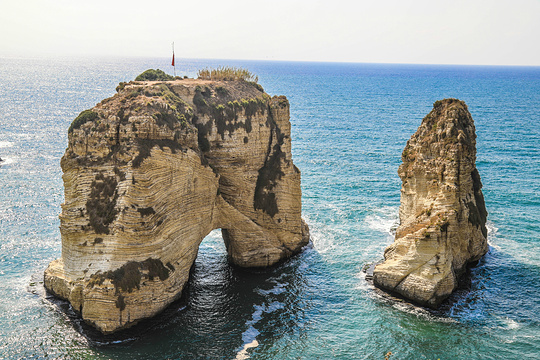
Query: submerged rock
{"type": "Point", "coordinates": [149, 172]}
{"type": "Point", "coordinates": [442, 214]}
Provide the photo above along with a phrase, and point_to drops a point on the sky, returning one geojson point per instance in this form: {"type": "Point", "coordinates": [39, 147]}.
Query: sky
{"type": "Point", "coordinates": [473, 32]}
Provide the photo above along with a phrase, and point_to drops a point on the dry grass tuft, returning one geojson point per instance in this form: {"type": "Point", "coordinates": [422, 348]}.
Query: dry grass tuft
{"type": "Point", "coordinates": [227, 73]}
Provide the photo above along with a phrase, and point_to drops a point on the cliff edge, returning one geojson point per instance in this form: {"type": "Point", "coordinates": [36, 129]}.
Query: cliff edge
{"type": "Point", "coordinates": [442, 213]}
{"type": "Point", "coordinates": [149, 172]}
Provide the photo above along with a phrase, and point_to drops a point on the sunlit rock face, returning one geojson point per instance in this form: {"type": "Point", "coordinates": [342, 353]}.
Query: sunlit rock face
{"type": "Point", "coordinates": [442, 214]}
{"type": "Point", "coordinates": [149, 172]}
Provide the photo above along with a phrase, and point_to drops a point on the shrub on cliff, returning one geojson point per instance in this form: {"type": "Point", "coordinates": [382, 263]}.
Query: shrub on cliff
{"type": "Point", "coordinates": [84, 117]}
{"type": "Point", "coordinates": [154, 75]}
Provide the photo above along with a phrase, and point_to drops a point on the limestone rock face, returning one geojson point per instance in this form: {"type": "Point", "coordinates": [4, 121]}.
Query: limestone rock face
{"type": "Point", "coordinates": [149, 172]}
{"type": "Point", "coordinates": [442, 214]}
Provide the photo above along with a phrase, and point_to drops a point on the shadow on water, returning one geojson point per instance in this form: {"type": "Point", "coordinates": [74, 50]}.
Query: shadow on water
{"type": "Point", "coordinates": [222, 310]}
{"type": "Point", "coordinates": [494, 308]}
{"type": "Point", "coordinates": [501, 287]}
{"type": "Point", "coordinates": [496, 296]}
{"type": "Point", "coordinates": [498, 284]}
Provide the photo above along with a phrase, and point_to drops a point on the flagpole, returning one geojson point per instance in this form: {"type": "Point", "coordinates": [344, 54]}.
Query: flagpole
{"type": "Point", "coordinates": [173, 63]}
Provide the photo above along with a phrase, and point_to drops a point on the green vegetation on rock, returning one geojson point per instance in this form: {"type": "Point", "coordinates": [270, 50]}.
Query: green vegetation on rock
{"type": "Point", "coordinates": [84, 117]}
{"type": "Point", "coordinates": [224, 111]}
{"type": "Point", "coordinates": [154, 75]}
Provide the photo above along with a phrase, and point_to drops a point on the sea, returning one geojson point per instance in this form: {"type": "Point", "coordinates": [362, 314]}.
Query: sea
{"type": "Point", "coordinates": [350, 123]}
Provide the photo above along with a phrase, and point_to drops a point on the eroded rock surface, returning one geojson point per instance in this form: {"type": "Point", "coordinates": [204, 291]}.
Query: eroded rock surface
{"type": "Point", "coordinates": [442, 214]}
{"type": "Point", "coordinates": [149, 172]}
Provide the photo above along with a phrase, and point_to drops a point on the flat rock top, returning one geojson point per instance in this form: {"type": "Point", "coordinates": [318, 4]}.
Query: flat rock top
{"type": "Point", "coordinates": [186, 88]}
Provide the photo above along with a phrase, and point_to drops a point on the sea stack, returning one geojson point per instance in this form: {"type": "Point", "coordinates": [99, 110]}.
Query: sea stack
{"type": "Point", "coordinates": [442, 213]}
{"type": "Point", "coordinates": [149, 172]}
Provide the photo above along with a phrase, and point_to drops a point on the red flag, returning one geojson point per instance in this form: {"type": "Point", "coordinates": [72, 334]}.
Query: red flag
{"type": "Point", "coordinates": [172, 59]}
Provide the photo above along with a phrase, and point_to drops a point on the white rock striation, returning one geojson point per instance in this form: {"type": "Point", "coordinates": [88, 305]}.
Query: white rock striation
{"type": "Point", "coordinates": [442, 214]}
{"type": "Point", "coordinates": [149, 172]}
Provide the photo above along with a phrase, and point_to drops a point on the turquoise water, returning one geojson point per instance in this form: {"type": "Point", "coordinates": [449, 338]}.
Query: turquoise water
{"type": "Point", "coordinates": [350, 123]}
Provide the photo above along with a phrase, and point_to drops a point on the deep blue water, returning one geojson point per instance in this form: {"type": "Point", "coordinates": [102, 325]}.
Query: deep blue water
{"type": "Point", "coordinates": [350, 123]}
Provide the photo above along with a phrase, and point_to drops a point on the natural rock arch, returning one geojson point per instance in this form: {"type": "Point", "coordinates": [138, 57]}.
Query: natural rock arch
{"type": "Point", "coordinates": [149, 172]}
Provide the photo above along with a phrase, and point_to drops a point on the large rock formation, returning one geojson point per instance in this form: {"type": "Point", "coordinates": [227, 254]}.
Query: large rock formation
{"type": "Point", "coordinates": [442, 214]}
{"type": "Point", "coordinates": [149, 172]}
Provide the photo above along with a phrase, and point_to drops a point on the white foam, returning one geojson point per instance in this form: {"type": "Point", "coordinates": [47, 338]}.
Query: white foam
{"type": "Point", "coordinates": [276, 290]}
{"type": "Point", "coordinates": [512, 324]}
{"type": "Point", "coordinates": [420, 312]}
{"type": "Point", "coordinates": [322, 237]}
{"type": "Point", "coordinates": [5, 144]}
{"type": "Point", "coordinates": [384, 219]}
{"type": "Point", "coordinates": [509, 324]}
{"type": "Point", "coordinates": [243, 354]}
{"type": "Point", "coordinates": [514, 248]}
{"type": "Point", "coordinates": [25, 135]}
{"type": "Point", "coordinates": [7, 161]}
{"type": "Point", "coordinates": [249, 337]}
{"type": "Point", "coordinates": [273, 306]}
{"type": "Point", "coordinates": [491, 229]}
{"type": "Point", "coordinates": [362, 283]}
{"type": "Point", "coordinates": [257, 315]}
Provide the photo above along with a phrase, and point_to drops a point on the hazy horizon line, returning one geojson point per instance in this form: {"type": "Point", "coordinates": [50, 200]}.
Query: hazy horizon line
{"type": "Point", "coordinates": [178, 59]}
